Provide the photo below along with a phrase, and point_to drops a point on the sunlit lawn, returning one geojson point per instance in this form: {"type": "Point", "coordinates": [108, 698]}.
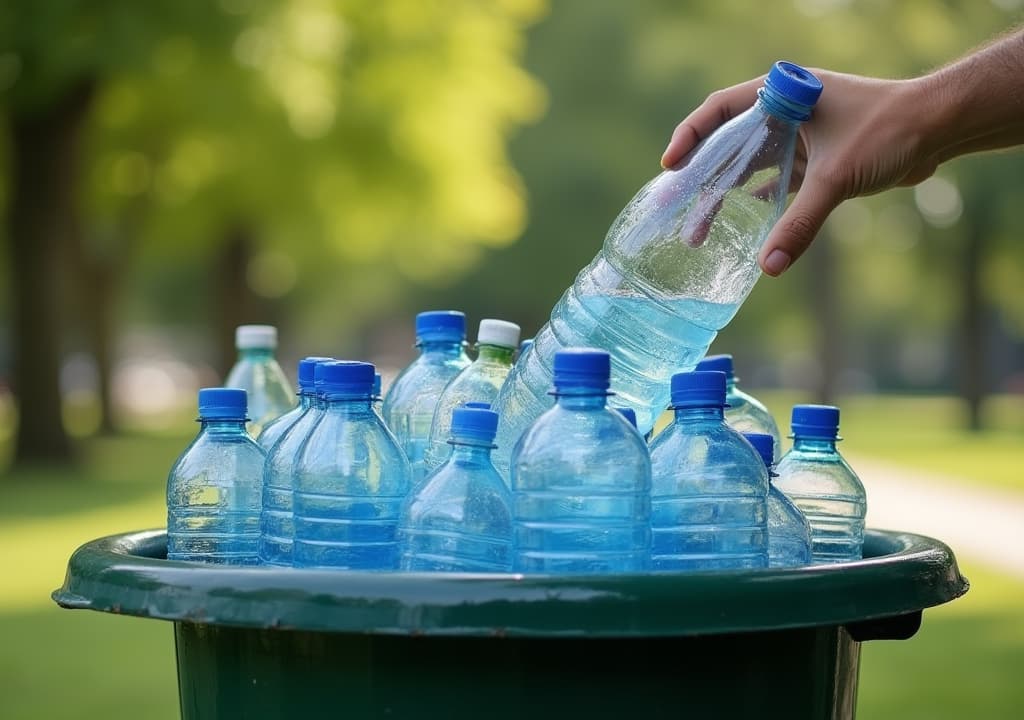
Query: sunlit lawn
{"type": "Point", "coordinates": [77, 664]}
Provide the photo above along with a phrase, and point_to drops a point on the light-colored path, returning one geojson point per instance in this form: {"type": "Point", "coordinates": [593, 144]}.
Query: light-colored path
{"type": "Point", "coordinates": [982, 523]}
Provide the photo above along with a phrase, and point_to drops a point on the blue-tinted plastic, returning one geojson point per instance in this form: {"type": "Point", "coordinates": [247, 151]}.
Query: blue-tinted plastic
{"type": "Point", "coordinates": [581, 480]}
{"type": "Point", "coordinates": [277, 521]}
{"type": "Point", "coordinates": [273, 431]}
{"type": "Point", "coordinates": [675, 266]}
{"type": "Point", "coordinates": [819, 481]}
{"type": "Point", "coordinates": [350, 479]}
{"type": "Point", "coordinates": [270, 395]}
{"type": "Point", "coordinates": [213, 491]}
{"type": "Point", "coordinates": [223, 403]}
{"type": "Point", "coordinates": [440, 325]}
{"type": "Point", "coordinates": [460, 518]}
{"type": "Point", "coordinates": [789, 533]}
{"type": "Point", "coordinates": [409, 404]}
{"type": "Point", "coordinates": [743, 412]}
{"type": "Point", "coordinates": [629, 414]}
{"type": "Point", "coordinates": [708, 493]}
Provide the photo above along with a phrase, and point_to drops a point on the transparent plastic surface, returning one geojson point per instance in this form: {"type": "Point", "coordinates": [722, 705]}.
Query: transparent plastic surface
{"type": "Point", "coordinates": [581, 480]}
{"type": "Point", "coordinates": [826, 489]}
{"type": "Point", "coordinates": [277, 520]}
{"type": "Point", "coordinates": [479, 382]}
{"type": "Point", "coordinates": [270, 395]}
{"type": "Point", "coordinates": [350, 480]}
{"type": "Point", "coordinates": [746, 413]}
{"type": "Point", "coordinates": [277, 427]}
{"type": "Point", "coordinates": [675, 266]}
{"type": "Point", "coordinates": [460, 517]}
{"type": "Point", "coordinates": [708, 496]}
{"type": "Point", "coordinates": [213, 497]}
{"type": "Point", "coordinates": [789, 534]}
{"type": "Point", "coordinates": [408, 408]}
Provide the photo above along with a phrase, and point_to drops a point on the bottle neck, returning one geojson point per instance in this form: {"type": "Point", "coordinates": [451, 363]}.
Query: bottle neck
{"type": "Point", "coordinates": [715, 413]}
{"type": "Point", "coordinates": [590, 398]}
{"type": "Point", "coordinates": [307, 399]}
{"type": "Point", "coordinates": [222, 426]}
{"type": "Point", "coordinates": [442, 348]}
{"type": "Point", "coordinates": [730, 384]}
{"type": "Point", "coordinates": [781, 108]}
{"type": "Point", "coordinates": [348, 405]}
{"type": "Point", "coordinates": [256, 355]}
{"type": "Point", "coordinates": [495, 354]}
{"type": "Point", "coordinates": [469, 451]}
{"type": "Point", "coordinates": [814, 444]}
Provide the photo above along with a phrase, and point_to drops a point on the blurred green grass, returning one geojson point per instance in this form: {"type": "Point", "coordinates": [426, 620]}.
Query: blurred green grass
{"type": "Point", "coordinates": [60, 664]}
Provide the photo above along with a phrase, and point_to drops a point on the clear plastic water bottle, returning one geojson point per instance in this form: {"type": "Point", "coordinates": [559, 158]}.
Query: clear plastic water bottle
{"type": "Point", "coordinates": [409, 404]}
{"type": "Point", "coordinates": [213, 489]}
{"type": "Point", "coordinates": [709, 486]}
{"type": "Point", "coordinates": [277, 427]}
{"type": "Point", "coordinates": [257, 372]}
{"type": "Point", "coordinates": [479, 381]}
{"type": "Point", "coordinates": [789, 533]}
{"type": "Point", "coordinates": [826, 489]}
{"type": "Point", "coordinates": [460, 517]}
{"type": "Point", "coordinates": [743, 412]}
{"type": "Point", "coordinates": [630, 415]}
{"type": "Point", "coordinates": [350, 479]}
{"type": "Point", "coordinates": [581, 479]}
{"type": "Point", "coordinates": [676, 264]}
{"type": "Point", "coordinates": [277, 520]}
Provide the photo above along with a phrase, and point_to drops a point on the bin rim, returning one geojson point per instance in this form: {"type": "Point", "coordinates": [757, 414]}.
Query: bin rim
{"type": "Point", "coordinates": [128, 574]}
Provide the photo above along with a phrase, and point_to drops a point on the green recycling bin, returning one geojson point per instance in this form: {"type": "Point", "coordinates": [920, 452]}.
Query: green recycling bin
{"type": "Point", "coordinates": [267, 643]}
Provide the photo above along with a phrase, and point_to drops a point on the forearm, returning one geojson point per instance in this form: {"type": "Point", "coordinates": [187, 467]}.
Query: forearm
{"type": "Point", "coordinates": [979, 101]}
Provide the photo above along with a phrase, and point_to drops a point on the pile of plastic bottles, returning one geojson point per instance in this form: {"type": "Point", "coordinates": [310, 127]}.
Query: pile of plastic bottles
{"type": "Point", "coordinates": [541, 456]}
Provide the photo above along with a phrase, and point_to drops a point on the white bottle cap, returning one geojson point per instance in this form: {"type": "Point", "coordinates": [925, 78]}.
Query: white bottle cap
{"type": "Point", "coordinates": [249, 337]}
{"type": "Point", "coordinates": [498, 332]}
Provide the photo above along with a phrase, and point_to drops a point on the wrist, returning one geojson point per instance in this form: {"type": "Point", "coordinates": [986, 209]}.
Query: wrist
{"type": "Point", "coordinates": [935, 105]}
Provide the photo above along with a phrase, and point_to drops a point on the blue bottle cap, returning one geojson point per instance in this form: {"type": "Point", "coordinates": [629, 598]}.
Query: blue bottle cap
{"type": "Point", "coordinates": [377, 380]}
{"type": "Point", "coordinates": [765, 446]}
{"type": "Point", "coordinates": [307, 380]}
{"type": "Point", "coordinates": [344, 377]}
{"type": "Point", "coordinates": [477, 405]}
{"type": "Point", "coordinates": [722, 363]}
{"type": "Point", "coordinates": [582, 368]}
{"type": "Point", "coordinates": [815, 421]}
{"type": "Point", "coordinates": [441, 325]}
{"type": "Point", "coordinates": [629, 414]}
{"type": "Point", "coordinates": [700, 388]}
{"type": "Point", "coordinates": [223, 404]}
{"type": "Point", "coordinates": [794, 83]}
{"type": "Point", "coordinates": [475, 424]}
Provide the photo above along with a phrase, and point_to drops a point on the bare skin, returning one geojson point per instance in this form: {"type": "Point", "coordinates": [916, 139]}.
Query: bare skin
{"type": "Point", "coordinates": [867, 135]}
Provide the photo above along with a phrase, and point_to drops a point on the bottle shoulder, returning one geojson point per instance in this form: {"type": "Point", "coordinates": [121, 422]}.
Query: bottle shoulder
{"type": "Point", "coordinates": [824, 472]}
{"type": "Point", "coordinates": [350, 442]}
{"type": "Point", "coordinates": [219, 459]}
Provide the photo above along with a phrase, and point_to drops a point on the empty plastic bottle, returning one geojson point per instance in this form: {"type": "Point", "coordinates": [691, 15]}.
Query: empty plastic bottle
{"type": "Point", "coordinates": [479, 381]}
{"type": "Point", "coordinates": [213, 489]}
{"type": "Point", "coordinates": [273, 431]}
{"type": "Point", "coordinates": [409, 404]}
{"type": "Point", "coordinates": [581, 479]}
{"type": "Point", "coordinates": [789, 534]}
{"type": "Point", "coordinates": [676, 264]}
{"type": "Point", "coordinates": [460, 517]}
{"type": "Point", "coordinates": [257, 372]}
{"type": "Point", "coordinates": [350, 479]}
{"type": "Point", "coordinates": [826, 489]}
{"type": "Point", "coordinates": [743, 412]}
{"type": "Point", "coordinates": [709, 486]}
{"type": "Point", "coordinates": [277, 521]}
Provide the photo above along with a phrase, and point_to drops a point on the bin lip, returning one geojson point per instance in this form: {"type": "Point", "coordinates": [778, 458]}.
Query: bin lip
{"type": "Point", "coordinates": [127, 574]}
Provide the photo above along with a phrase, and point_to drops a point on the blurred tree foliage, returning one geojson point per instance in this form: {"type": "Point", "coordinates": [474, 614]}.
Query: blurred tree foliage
{"type": "Point", "coordinates": [882, 301]}
{"type": "Point", "coordinates": [274, 145]}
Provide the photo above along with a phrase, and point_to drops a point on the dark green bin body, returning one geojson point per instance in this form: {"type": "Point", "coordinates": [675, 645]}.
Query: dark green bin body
{"type": "Point", "coordinates": [267, 643]}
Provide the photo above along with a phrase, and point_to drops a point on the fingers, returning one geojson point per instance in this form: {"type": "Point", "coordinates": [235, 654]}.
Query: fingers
{"type": "Point", "coordinates": [719, 107]}
{"type": "Point", "coordinates": [798, 226]}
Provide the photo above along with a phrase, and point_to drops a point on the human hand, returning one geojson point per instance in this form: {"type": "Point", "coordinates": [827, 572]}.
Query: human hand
{"type": "Point", "coordinates": [865, 135]}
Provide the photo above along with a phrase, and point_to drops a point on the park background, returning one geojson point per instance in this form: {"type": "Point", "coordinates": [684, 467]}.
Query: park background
{"type": "Point", "coordinates": [173, 169]}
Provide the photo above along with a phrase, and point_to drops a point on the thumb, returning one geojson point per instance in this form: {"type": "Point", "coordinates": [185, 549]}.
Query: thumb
{"type": "Point", "coordinates": [798, 226]}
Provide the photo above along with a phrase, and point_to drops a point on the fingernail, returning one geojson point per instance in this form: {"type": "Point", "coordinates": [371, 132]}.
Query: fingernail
{"type": "Point", "coordinates": [777, 262]}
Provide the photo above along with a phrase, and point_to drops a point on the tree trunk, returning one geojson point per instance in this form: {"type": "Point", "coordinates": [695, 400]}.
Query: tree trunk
{"type": "Point", "coordinates": [974, 338]}
{"type": "Point", "coordinates": [44, 173]}
{"type": "Point", "coordinates": [825, 305]}
{"type": "Point", "coordinates": [236, 303]}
